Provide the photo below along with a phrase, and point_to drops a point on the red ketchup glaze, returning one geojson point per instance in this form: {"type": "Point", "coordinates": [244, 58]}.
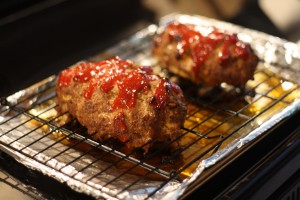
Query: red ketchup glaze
{"type": "Point", "coordinates": [160, 98]}
{"type": "Point", "coordinates": [106, 74]}
{"type": "Point", "coordinates": [129, 80]}
{"type": "Point", "coordinates": [65, 78]}
{"type": "Point", "coordinates": [121, 127]}
{"type": "Point", "coordinates": [201, 46]}
{"type": "Point", "coordinates": [129, 88]}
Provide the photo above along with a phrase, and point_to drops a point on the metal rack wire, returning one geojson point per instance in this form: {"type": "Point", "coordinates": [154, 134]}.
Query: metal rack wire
{"type": "Point", "coordinates": [30, 127]}
{"type": "Point", "coordinates": [228, 112]}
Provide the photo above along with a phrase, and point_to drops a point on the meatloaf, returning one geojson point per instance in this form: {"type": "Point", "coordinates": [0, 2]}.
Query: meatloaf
{"type": "Point", "coordinates": [119, 99]}
{"type": "Point", "coordinates": [208, 57]}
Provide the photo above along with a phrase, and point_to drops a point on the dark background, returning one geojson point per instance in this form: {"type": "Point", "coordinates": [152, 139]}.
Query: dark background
{"type": "Point", "coordinates": [39, 38]}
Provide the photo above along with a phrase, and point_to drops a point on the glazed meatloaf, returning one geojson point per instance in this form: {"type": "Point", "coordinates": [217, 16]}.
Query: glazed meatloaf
{"type": "Point", "coordinates": [209, 58]}
{"type": "Point", "coordinates": [118, 99]}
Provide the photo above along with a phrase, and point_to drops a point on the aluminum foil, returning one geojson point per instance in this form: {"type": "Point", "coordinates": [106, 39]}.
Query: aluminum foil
{"type": "Point", "coordinates": [278, 55]}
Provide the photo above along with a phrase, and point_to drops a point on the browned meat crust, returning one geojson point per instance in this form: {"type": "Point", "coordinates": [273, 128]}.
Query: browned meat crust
{"type": "Point", "coordinates": [119, 99]}
{"type": "Point", "coordinates": [205, 59]}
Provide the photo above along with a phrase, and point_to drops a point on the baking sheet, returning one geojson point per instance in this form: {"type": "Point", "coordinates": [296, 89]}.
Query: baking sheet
{"type": "Point", "coordinates": [276, 98]}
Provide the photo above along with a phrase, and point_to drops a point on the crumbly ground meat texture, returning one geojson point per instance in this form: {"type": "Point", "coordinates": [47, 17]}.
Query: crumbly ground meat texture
{"type": "Point", "coordinates": [139, 126]}
{"type": "Point", "coordinates": [234, 70]}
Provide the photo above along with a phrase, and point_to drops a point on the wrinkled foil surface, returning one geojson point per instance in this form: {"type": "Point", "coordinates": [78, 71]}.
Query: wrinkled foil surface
{"type": "Point", "coordinates": [279, 56]}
